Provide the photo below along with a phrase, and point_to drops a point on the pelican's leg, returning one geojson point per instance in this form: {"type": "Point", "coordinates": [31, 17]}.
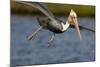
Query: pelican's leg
{"type": "Point", "coordinates": [51, 39]}
{"type": "Point", "coordinates": [31, 36]}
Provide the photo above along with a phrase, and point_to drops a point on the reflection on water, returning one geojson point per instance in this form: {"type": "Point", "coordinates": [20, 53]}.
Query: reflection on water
{"type": "Point", "coordinates": [66, 47]}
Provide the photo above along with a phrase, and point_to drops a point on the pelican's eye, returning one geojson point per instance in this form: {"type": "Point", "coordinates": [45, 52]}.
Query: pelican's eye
{"type": "Point", "coordinates": [73, 17]}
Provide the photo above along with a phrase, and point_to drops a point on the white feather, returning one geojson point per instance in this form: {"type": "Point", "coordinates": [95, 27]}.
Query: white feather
{"type": "Point", "coordinates": [65, 26]}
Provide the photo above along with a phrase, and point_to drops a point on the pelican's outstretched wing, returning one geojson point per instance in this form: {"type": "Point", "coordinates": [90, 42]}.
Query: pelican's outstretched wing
{"type": "Point", "coordinates": [40, 6]}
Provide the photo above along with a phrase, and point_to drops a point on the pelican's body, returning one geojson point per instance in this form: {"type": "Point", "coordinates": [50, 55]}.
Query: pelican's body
{"type": "Point", "coordinates": [50, 25]}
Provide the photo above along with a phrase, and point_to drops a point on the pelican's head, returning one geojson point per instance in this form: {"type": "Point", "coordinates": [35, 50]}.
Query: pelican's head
{"type": "Point", "coordinates": [72, 16]}
{"type": "Point", "coordinates": [72, 19]}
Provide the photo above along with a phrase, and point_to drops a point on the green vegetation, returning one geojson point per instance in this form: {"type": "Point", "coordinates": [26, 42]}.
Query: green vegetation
{"type": "Point", "coordinates": [56, 9]}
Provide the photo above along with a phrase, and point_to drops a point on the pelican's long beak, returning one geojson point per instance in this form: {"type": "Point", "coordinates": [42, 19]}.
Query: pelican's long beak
{"type": "Point", "coordinates": [77, 27]}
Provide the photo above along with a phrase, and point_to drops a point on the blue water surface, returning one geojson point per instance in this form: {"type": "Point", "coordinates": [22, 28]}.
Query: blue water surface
{"type": "Point", "coordinates": [66, 47]}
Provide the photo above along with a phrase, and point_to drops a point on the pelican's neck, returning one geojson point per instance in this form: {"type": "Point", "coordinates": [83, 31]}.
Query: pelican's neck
{"type": "Point", "coordinates": [65, 26]}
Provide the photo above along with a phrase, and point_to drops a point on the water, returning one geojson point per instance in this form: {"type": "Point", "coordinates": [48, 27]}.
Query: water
{"type": "Point", "coordinates": [65, 48]}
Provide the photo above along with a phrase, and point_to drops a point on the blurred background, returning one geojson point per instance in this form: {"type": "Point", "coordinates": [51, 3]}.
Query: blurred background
{"type": "Point", "coordinates": [66, 47]}
{"type": "Point", "coordinates": [56, 9]}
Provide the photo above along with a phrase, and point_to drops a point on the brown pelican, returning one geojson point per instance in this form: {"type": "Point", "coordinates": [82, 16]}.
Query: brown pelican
{"type": "Point", "coordinates": [53, 24]}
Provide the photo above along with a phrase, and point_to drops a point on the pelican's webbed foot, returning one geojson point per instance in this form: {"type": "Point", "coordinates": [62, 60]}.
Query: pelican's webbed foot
{"type": "Point", "coordinates": [51, 40]}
